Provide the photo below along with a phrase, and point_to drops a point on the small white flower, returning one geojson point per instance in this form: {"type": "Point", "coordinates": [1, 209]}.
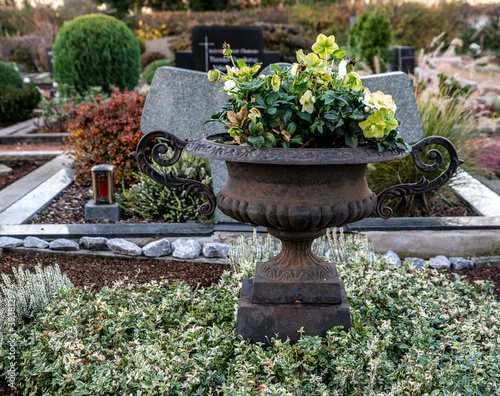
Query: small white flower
{"type": "Point", "coordinates": [343, 68]}
{"type": "Point", "coordinates": [55, 84]}
{"type": "Point", "coordinates": [230, 87]}
{"type": "Point", "coordinates": [26, 80]}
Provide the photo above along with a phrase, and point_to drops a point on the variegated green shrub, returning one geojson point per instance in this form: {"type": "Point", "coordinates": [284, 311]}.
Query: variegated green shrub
{"type": "Point", "coordinates": [415, 332]}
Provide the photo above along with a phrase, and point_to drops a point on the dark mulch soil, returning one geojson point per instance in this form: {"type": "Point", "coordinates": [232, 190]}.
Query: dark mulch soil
{"type": "Point", "coordinates": [476, 274]}
{"type": "Point", "coordinates": [18, 171]}
{"type": "Point", "coordinates": [85, 271]}
{"type": "Point", "coordinates": [69, 208]}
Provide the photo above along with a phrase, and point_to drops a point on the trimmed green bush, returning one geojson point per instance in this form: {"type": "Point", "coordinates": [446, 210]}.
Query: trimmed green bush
{"type": "Point", "coordinates": [151, 200]}
{"type": "Point", "coordinates": [96, 50]}
{"type": "Point", "coordinates": [371, 36]}
{"type": "Point", "coordinates": [414, 332]}
{"type": "Point", "coordinates": [10, 76]}
{"type": "Point", "coordinates": [150, 70]}
{"type": "Point", "coordinates": [17, 104]}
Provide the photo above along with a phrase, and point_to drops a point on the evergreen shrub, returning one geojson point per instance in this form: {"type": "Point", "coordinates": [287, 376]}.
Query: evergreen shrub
{"type": "Point", "coordinates": [106, 132]}
{"type": "Point", "coordinates": [96, 50]}
{"type": "Point", "coordinates": [371, 36]}
{"type": "Point", "coordinates": [152, 200]}
{"type": "Point", "coordinates": [414, 332]}
{"type": "Point", "coordinates": [10, 76]}
{"type": "Point", "coordinates": [150, 70]}
{"type": "Point", "coordinates": [17, 104]}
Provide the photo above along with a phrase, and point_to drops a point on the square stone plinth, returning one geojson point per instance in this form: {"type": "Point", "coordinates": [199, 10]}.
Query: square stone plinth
{"type": "Point", "coordinates": [109, 212]}
{"type": "Point", "coordinates": [258, 321]}
{"type": "Point", "coordinates": [267, 291]}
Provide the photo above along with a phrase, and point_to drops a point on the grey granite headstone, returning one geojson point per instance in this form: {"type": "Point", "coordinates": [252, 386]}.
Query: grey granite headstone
{"type": "Point", "coordinates": [180, 101]}
{"type": "Point", "coordinates": [400, 87]}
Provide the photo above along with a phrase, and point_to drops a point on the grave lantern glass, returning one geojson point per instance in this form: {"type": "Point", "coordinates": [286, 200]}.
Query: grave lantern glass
{"type": "Point", "coordinates": [103, 184]}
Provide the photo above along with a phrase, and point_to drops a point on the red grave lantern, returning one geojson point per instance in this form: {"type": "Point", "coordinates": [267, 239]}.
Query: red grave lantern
{"type": "Point", "coordinates": [103, 184]}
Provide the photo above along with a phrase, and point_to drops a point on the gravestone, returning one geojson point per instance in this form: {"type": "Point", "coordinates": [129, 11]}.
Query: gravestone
{"type": "Point", "coordinates": [246, 42]}
{"type": "Point", "coordinates": [404, 59]}
{"type": "Point", "coordinates": [180, 101]}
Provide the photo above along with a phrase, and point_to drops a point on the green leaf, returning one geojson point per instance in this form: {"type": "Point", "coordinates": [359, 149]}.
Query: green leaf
{"type": "Point", "coordinates": [275, 67]}
{"type": "Point", "coordinates": [331, 115]}
{"type": "Point", "coordinates": [272, 98]}
{"type": "Point", "coordinates": [241, 63]}
{"type": "Point", "coordinates": [292, 127]}
{"type": "Point", "coordinates": [339, 53]}
{"type": "Point", "coordinates": [305, 116]}
{"type": "Point", "coordinates": [287, 116]}
{"type": "Point", "coordinates": [272, 110]}
{"type": "Point", "coordinates": [260, 101]}
{"type": "Point", "coordinates": [351, 140]}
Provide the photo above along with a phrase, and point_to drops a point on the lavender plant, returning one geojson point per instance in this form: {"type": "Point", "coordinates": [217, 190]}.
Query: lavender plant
{"type": "Point", "coordinates": [31, 292]}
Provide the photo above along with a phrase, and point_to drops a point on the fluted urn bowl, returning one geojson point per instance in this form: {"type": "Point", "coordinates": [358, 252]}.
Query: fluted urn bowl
{"type": "Point", "coordinates": [297, 194]}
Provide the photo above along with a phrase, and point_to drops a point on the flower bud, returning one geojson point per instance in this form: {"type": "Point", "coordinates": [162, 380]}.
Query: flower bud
{"type": "Point", "coordinates": [214, 75]}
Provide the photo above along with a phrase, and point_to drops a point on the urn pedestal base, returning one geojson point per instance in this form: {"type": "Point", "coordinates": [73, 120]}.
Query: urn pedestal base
{"type": "Point", "coordinates": [268, 291]}
{"type": "Point", "coordinates": [258, 321]}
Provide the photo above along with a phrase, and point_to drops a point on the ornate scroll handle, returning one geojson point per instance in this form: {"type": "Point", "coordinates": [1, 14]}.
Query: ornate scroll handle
{"type": "Point", "coordinates": [423, 185]}
{"type": "Point", "coordinates": [170, 180]}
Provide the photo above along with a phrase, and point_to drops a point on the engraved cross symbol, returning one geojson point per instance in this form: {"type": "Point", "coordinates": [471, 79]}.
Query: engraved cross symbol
{"type": "Point", "coordinates": [206, 44]}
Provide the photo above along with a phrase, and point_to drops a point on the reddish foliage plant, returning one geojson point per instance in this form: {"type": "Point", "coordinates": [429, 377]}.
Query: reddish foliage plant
{"type": "Point", "coordinates": [106, 132]}
{"type": "Point", "coordinates": [488, 156]}
{"type": "Point", "coordinates": [149, 57]}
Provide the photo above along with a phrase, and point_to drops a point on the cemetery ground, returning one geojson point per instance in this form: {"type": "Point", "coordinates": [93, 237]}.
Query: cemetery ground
{"type": "Point", "coordinates": [414, 331]}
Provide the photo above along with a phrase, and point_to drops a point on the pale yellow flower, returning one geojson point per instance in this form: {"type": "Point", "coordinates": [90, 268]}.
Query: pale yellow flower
{"type": "Point", "coordinates": [307, 101]}
{"type": "Point", "coordinates": [379, 100]}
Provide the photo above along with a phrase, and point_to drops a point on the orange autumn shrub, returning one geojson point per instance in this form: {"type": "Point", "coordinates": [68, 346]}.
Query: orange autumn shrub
{"type": "Point", "coordinates": [106, 132]}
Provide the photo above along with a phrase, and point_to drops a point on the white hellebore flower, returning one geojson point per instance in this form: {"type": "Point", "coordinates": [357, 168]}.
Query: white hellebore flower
{"type": "Point", "coordinates": [229, 85]}
{"type": "Point", "coordinates": [343, 68]}
{"type": "Point", "coordinates": [379, 100]}
{"type": "Point", "coordinates": [307, 101]}
{"type": "Point", "coordinates": [295, 69]}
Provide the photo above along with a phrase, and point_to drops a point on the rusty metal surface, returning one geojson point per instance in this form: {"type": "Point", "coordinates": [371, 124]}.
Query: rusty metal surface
{"type": "Point", "coordinates": [297, 204]}
{"type": "Point", "coordinates": [260, 322]}
{"type": "Point", "coordinates": [292, 198]}
{"type": "Point", "coordinates": [423, 185]}
{"type": "Point", "coordinates": [159, 142]}
{"type": "Point", "coordinates": [205, 147]}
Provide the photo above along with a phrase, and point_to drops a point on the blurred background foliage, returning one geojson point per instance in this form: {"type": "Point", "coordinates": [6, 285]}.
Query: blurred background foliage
{"type": "Point", "coordinates": [287, 24]}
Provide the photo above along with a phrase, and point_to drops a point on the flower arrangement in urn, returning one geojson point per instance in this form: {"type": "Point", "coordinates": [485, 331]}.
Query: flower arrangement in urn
{"type": "Point", "coordinates": [319, 101]}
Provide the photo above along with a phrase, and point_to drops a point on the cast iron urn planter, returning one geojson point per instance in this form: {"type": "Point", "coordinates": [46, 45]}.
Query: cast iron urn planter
{"type": "Point", "coordinates": [297, 194]}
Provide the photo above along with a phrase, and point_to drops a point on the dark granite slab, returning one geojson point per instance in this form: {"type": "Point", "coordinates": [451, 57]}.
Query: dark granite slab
{"type": "Point", "coordinates": [425, 223]}
{"type": "Point", "coordinates": [105, 230]}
